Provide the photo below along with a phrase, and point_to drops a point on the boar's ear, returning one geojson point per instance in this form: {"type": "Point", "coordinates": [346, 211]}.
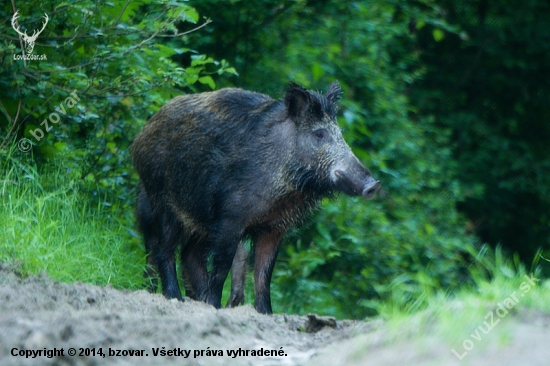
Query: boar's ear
{"type": "Point", "coordinates": [333, 94]}
{"type": "Point", "coordinates": [297, 102]}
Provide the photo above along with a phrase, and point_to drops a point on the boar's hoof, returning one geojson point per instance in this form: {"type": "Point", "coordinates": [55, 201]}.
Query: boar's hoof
{"type": "Point", "coordinates": [235, 300]}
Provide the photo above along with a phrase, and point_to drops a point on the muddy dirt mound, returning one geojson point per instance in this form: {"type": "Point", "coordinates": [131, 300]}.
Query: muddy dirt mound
{"type": "Point", "coordinates": [123, 327]}
{"type": "Point", "coordinates": [42, 322]}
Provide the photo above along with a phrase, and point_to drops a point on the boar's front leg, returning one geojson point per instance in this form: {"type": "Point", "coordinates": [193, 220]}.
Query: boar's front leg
{"type": "Point", "coordinates": [195, 275]}
{"type": "Point", "coordinates": [267, 247]}
{"type": "Point", "coordinates": [223, 245]}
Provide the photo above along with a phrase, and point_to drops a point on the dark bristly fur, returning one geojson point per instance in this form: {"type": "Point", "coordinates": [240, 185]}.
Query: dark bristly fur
{"type": "Point", "coordinates": [216, 168]}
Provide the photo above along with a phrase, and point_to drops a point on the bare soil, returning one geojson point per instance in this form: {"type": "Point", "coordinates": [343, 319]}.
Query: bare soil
{"type": "Point", "coordinates": [40, 314]}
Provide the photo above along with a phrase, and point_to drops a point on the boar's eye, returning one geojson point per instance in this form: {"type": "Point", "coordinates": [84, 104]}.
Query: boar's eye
{"type": "Point", "coordinates": [320, 134]}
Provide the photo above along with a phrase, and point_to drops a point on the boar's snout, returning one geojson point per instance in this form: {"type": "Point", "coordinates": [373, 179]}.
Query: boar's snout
{"type": "Point", "coordinates": [370, 188]}
{"type": "Point", "coordinates": [353, 185]}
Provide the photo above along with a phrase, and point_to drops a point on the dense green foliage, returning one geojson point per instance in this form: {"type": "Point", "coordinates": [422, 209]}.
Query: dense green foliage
{"type": "Point", "coordinates": [444, 140]}
{"type": "Point", "coordinates": [490, 85]}
{"type": "Point", "coordinates": [116, 56]}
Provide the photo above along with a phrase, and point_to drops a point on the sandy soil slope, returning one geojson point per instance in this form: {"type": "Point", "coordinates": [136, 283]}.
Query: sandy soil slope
{"type": "Point", "coordinates": [131, 328]}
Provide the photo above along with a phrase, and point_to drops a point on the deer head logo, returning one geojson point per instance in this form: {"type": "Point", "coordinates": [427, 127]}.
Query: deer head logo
{"type": "Point", "coordinates": [29, 40]}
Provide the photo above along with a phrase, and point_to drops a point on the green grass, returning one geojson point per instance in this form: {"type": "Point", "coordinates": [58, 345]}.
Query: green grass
{"type": "Point", "coordinates": [47, 225]}
{"type": "Point", "coordinates": [453, 317]}
{"type": "Point", "coordinates": [492, 272]}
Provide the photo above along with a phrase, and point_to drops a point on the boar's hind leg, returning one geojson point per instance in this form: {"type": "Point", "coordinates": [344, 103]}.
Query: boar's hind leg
{"type": "Point", "coordinates": [195, 275]}
{"type": "Point", "coordinates": [150, 235]}
{"type": "Point", "coordinates": [164, 254]}
{"type": "Point", "coordinates": [267, 247]}
{"type": "Point", "coordinates": [238, 276]}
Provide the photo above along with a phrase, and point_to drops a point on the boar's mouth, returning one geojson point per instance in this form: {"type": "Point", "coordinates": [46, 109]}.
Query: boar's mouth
{"type": "Point", "coordinates": [357, 187]}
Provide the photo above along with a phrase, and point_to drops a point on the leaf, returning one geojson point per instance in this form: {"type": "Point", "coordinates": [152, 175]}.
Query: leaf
{"type": "Point", "coordinates": [190, 15]}
{"type": "Point", "coordinates": [60, 145]}
{"type": "Point", "coordinates": [208, 81]}
{"type": "Point", "coordinates": [438, 34]}
{"type": "Point", "coordinates": [317, 71]}
{"type": "Point", "coordinates": [429, 228]}
{"type": "Point", "coordinates": [229, 70]}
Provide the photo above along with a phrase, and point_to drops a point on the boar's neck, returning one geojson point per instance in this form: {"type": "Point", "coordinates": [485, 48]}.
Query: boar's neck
{"type": "Point", "coordinates": [286, 211]}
